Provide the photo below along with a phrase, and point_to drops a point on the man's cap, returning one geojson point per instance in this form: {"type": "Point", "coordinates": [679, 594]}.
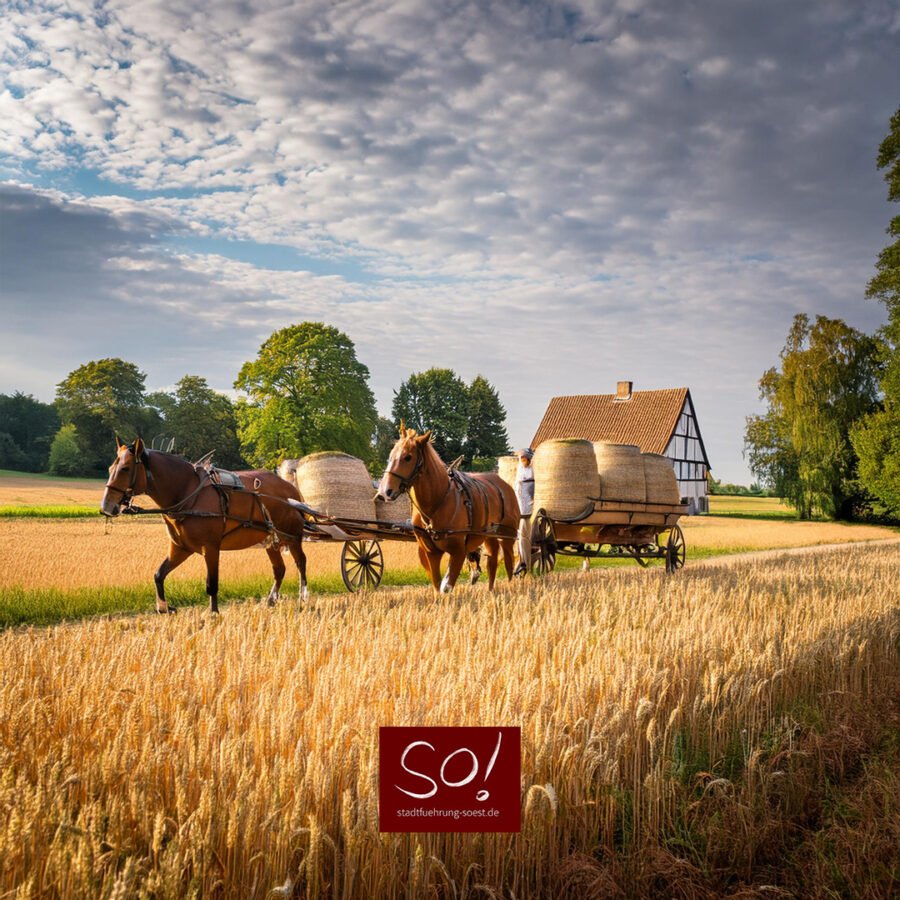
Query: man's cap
{"type": "Point", "coordinates": [527, 452]}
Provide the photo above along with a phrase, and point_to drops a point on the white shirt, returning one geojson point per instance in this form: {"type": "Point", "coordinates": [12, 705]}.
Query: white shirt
{"type": "Point", "coordinates": [525, 488]}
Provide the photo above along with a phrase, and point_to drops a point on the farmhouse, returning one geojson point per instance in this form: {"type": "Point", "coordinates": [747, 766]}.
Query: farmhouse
{"type": "Point", "coordinates": [656, 421]}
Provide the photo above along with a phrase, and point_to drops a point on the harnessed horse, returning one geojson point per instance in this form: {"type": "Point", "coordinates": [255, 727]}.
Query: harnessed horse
{"type": "Point", "coordinates": [205, 516]}
{"type": "Point", "coordinates": [453, 512]}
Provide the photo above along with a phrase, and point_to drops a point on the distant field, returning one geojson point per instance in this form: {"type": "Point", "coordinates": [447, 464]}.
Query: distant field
{"type": "Point", "coordinates": [755, 507]}
{"type": "Point", "coordinates": [25, 489]}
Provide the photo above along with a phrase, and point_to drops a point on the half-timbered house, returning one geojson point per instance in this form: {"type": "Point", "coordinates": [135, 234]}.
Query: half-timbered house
{"type": "Point", "coordinates": [656, 421]}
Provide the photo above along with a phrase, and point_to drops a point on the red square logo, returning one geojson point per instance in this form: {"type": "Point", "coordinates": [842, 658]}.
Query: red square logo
{"type": "Point", "coordinates": [449, 779]}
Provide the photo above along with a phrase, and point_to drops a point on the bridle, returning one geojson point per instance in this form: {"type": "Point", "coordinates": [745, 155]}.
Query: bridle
{"type": "Point", "coordinates": [407, 480]}
{"type": "Point", "coordinates": [128, 493]}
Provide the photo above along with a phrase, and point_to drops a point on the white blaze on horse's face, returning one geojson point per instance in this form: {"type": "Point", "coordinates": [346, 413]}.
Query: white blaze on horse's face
{"type": "Point", "coordinates": [118, 483]}
{"type": "Point", "coordinates": [401, 464]}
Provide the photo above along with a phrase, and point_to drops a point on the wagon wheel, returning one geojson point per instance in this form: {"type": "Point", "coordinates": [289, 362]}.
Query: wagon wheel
{"type": "Point", "coordinates": [675, 550]}
{"type": "Point", "coordinates": [543, 545]}
{"type": "Point", "coordinates": [362, 565]}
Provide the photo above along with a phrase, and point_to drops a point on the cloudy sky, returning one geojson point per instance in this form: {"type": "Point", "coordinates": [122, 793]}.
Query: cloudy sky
{"type": "Point", "coordinates": [556, 195]}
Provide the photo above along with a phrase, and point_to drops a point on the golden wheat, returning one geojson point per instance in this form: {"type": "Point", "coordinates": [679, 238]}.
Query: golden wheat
{"type": "Point", "coordinates": [237, 756]}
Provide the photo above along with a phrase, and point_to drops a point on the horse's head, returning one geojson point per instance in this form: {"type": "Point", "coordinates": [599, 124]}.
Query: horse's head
{"type": "Point", "coordinates": [127, 477]}
{"type": "Point", "coordinates": [404, 464]}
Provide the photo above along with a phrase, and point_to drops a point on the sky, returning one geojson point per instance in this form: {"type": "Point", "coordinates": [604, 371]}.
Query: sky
{"type": "Point", "coordinates": [557, 196]}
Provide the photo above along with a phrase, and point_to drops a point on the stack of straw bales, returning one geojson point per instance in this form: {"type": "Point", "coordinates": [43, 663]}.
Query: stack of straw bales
{"type": "Point", "coordinates": [565, 478]}
{"type": "Point", "coordinates": [621, 471]}
{"type": "Point", "coordinates": [397, 511]}
{"type": "Point", "coordinates": [507, 467]}
{"type": "Point", "coordinates": [336, 484]}
{"type": "Point", "coordinates": [659, 477]}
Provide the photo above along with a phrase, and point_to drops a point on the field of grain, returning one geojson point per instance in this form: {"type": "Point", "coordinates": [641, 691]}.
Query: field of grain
{"type": "Point", "coordinates": [89, 553]}
{"type": "Point", "coordinates": [19, 489]}
{"type": "Point", "coordinates": [237, 756]}
{"type": "Point", "coordinates": [760, 507]}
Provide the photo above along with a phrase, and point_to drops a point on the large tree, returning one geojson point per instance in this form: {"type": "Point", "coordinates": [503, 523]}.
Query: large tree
{"type": "Point", "coordinates": [103, 398]}
{"type": "Point", "coordinates": [486, 436]}
{"type": "Point", "coordinates": [27, 427]}
{"type": "Point", "coordinates": [827, 381]}
{"type": "Point", "coordinates": [200, 419]}
{"type": "Point", "coordinates": [877, 438]}
{"type": "Point", "coordinates": [436, 400]}
{"type": "Point", "coordinates": [306, 391]}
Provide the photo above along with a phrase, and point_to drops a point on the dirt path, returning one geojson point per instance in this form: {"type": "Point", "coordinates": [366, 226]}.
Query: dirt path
{"type": "Point", "coordinates": [785, 551]}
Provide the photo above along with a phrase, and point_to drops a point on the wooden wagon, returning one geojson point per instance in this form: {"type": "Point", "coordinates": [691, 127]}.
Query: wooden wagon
{"type": "Point", "coordinates": [613, 529]}
{"type": "Point", "coordinates": [362, 559]}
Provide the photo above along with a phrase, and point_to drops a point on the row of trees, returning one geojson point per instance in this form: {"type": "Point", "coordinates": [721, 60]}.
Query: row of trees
{"type": "Point", "coordinates": [305, 391]}
{"type": "Point", "coordinates": [829, 441]}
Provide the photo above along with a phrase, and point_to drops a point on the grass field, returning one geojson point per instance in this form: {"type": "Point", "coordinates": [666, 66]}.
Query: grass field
{"type": "Point", "coordinates": [681, 737]}
{"type": "Point", "coordinates": [750, 507]}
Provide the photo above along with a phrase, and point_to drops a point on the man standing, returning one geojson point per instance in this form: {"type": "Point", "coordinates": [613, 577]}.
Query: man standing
{"type": "Point", "coordinates": [525, 496]}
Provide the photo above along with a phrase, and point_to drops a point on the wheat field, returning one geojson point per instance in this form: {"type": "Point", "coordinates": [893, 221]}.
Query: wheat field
{"type": "Point", "coordinates": [236, 756]}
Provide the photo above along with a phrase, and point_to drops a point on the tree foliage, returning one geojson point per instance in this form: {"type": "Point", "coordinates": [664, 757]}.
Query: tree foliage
{"type": "Point", "coordinates": [801, 446]}
{"type": "Point", "coordinates": [383, 440]}
{"type": "Point", "coordinates": [27, 427]}
{"type": "Point", "coordinates": [486, 436]}
{"type": "Point", "coordinates": [200, 419]}
{"type": "Point", "coordinates": [66, 453]}
{"type": "Point", "coordinates": [436, 399]}
{"type": "Point", "coordinates": [103, 398]}
{"type": "Point", "coordinates": [876, 438]}
{"type": "Point", "coordinates": [306, 391]}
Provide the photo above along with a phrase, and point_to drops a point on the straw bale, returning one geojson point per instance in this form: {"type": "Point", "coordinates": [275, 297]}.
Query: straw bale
{"type": "Point", "coordinates": [396, 511]}
{"type": "Point", "coordinates": [287, 469]}
{"type": "Point", "coordinates": [659, 474]}
{"type": "Point", "coordinates": [507, 467]}
{"type": "Point", "coordinates": [565, 478]}
{"type": "Point", "coordinates": [336, 484]}
{"type": "Point", "coordinates": [621, 472]}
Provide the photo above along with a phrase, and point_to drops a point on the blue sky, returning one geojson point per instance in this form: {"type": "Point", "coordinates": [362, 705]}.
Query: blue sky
{"type": "Point", "coordinates": [555, 195]}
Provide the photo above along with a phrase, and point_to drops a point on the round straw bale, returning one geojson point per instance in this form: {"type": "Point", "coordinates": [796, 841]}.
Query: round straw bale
{"type": "Point", "coordinates": [621, 471]}
{"type": "Point", "coordinates": [398, 511]}
{"type": "Point", "coordinates": [336, 484]}
{"type": "Point", "coordinates": [659, 474]}
{"type": "Point", "coordinates": [565, 478]}
{"type": "Point", "coordinates": [507, 467]}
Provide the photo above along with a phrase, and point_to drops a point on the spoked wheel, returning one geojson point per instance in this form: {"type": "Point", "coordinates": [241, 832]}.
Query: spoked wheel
{"type": "Point", "coordinates": [362, 565]}
{"type": "Point", "coordinates": [676, 550]}
{"type": "Point", "coordinates": [543, 545]}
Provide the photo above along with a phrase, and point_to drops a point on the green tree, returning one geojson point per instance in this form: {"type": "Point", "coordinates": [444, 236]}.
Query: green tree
{"type": "Point", "coordinates": [486, 436]}
{"type": "Point", "coordinates": [200, 419]}
{"type": "Point", "coordinates": [66, 454]}
{"type": "Point", "coordinates": [383, 440]}
{"type": "Point", "coordinates": [101, 399]}
{"type": "Point", "coordinates": [877, 437]}
{"type": "Point", "coordinates": [306, 391]}
{"type": "Point", "coordinates": [27, 427]}
{"type": "Point", "coordinates": [801, 446]}
{"type": "Point", "coordinates": [436, 399]}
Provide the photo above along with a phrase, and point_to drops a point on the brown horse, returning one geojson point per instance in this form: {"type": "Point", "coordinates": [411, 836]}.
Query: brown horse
{"type": "Point", "coordinates": [203, 516]}
{"type": "Point", "coordinates": [453, 512]}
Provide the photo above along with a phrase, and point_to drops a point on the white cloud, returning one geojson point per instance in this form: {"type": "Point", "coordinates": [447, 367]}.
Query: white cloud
{"type": "Point", "coordinates": [485, 165]}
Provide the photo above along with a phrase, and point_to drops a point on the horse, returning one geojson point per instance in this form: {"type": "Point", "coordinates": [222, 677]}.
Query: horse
{"type": "Point", "coordinates": [453, 512]}
{"type": "Point", "coordinates": [204, 514]}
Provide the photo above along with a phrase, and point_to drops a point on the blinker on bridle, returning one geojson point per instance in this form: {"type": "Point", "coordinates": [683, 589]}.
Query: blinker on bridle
{"type": "Point", "coordinates": [407, 480]}
{"type": "Point", "coordinates": [128, 493]}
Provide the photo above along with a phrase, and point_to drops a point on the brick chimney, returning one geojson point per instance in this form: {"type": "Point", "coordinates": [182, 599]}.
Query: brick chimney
{"type": "Point", "coordinates": [623, 390]}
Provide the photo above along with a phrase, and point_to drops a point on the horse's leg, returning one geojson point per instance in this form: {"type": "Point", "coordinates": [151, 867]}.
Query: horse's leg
{"type": "Point", "coordinates": [278, 569]}
{"type": "Point", "coordinates": [431, 563]}
{"type": "Point", "coordinates": [509, 558]}
{"type": "Point", "coordinates": [493, 552]}
{"type": "Point", "coordinates": [177, 555]}
{"type": "Point", "coordinates": [211, 555]}
{"type": "Point", "coordinates": [457, 560]}
{"type": "Point", "coordinates": [300, 558]}
{"type": "Point", "coordinates": [474, 559]}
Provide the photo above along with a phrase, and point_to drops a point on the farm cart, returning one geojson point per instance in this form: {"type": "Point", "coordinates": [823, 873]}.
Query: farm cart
{"type": "Point", "coordinates": [611, 530]}
{"type": "Point", "coordinates": [362, 560]}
